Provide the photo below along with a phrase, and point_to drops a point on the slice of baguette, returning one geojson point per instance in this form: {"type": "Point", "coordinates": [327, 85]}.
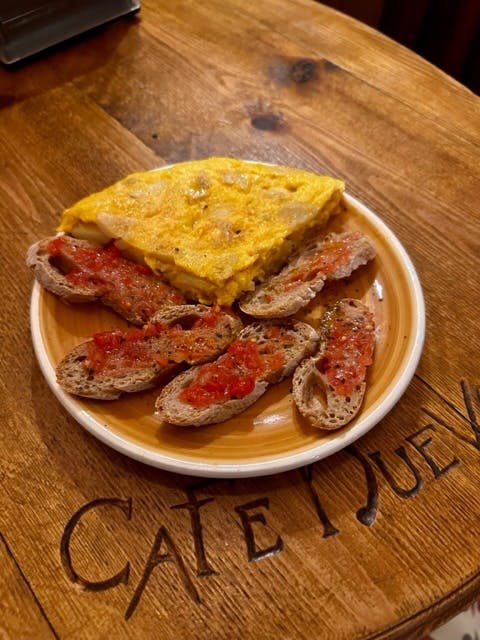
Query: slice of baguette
{"type": "Point", "coordinates": [53, 279]}
{"type": "Point", "coordinates": [284, 294]}
{"type": "Point", "coordinates": [170, 408]}
{"type": "Point", "coordinates": [51, 273]}
{"type": "Point", "coordinates": [76, 375]}
{"type": "Point", "coordinates": [317, 399]}
{"type": "Point", "coordinates": [295, 340]}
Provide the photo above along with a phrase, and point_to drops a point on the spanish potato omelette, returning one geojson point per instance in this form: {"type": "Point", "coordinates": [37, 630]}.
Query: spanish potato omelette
{"type": "Point", "coordinates": [212, 227]}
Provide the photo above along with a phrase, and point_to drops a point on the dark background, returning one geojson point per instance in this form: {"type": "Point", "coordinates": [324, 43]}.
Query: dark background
{"type": "Point", "coordinates": [445, 32]}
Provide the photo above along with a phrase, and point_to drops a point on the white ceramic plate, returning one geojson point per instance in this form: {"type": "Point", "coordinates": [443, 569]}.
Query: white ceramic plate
{"type": "Point", "coordinates": [270, 436]}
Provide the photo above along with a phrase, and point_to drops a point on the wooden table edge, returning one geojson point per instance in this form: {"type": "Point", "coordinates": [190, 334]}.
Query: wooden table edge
{"type": "Point", "coordinates": [435, 614]}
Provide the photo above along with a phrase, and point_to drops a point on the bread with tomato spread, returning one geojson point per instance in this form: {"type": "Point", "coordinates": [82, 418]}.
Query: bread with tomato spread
{"type": "Point", "coordinates": [116, 362]}
{"type": "Point", "coordinates": [263, 354]}
{"type": "Point", "coordinates": [329, 387]}
{"type": "Point", "coordinates": [333, 257]}
{"type": "Point", "coordinates": [81, 271]}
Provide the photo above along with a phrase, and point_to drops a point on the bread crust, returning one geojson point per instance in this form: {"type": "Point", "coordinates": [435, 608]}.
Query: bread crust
{"type": "Point", "coordinates": [75, 375]}
{"type": "Point", "coordinates": [170, 408]}
{"type": "Point", "coordinates": [279, 297]}
{"type": "Point", "coordinates": [331, 410]}
{"type": "Point", "coordinates": [75, 379]}
{"type": "Point", "coordinates": [314, 396]}
{"type": "Point", "coordinates": [52, 278]}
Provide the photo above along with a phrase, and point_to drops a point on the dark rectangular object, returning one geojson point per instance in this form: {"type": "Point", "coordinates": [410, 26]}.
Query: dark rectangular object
{"type": "Point", "coordinates": [29, 26]}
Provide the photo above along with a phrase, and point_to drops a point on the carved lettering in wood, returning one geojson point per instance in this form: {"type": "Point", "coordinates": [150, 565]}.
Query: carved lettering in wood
{"type": "Point", "coordinates": [252, 514]}
{"type": "Point", "coordinates": [421, 447]}
{"type": "Point", "coordinates": [193, 506]}
{"type": "Point", "coordinates": [401, 452]}
{"type": "Point", "coordinates": [328, 528]}
{"type": "Point", "coordinates": [247, 518]}
{"type": "Point", "coordinates": [471, 418]}
{"type": "Point", "coordinates": [122, 576]}
{"type": "Point", "coordinates": [368, 513]}
{"type": "Point", "coordinates": [155, 558]}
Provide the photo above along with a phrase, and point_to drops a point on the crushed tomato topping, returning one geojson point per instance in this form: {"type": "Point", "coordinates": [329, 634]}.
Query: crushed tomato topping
{"type": "Point", "coordinates": [115, 351]}
{"type": "Point", "coordinates": [131, 285]}
{"type": "Point", "coordinates": [235, 373]}
{"type": "Point", "coordinates": [348, 352]}
{"type": "Point", "coordinates": [333, 254]}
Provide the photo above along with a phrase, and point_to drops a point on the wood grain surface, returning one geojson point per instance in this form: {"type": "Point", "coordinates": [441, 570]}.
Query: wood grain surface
{"type": "Point", "coordinates": [380, 540]}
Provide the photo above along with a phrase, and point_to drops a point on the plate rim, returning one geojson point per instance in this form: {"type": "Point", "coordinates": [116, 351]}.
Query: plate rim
{"type": "Point", "coordinates": [285, 461]}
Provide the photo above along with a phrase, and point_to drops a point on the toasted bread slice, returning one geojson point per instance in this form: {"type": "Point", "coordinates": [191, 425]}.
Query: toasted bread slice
{"type": "Point", "coordinates": [81, 271]}
{"type": "Point", "coordinates": [263, 354]}
{"type": "Point", "coordinates": [328, 388]}
{"type": "Point", "coordinates": [331, 258]}
{"type": "Point", "coordinates": [170, 407]}
{"type": "Point", "coordinates": [117, 362]}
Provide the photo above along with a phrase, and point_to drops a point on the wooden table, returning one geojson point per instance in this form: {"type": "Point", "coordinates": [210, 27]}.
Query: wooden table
{"type": "Point", "coordinates": [379, 541]}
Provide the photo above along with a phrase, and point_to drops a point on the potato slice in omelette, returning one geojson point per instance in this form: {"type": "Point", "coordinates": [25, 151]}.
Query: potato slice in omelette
{"type": "Point", "coordinates": [212, 227]}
